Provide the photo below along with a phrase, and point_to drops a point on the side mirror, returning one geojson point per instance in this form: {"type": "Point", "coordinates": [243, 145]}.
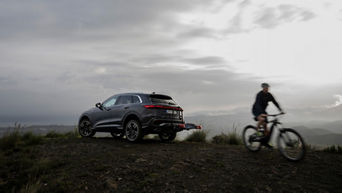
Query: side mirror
{"type": "Point", "coordinates": [99, 105]}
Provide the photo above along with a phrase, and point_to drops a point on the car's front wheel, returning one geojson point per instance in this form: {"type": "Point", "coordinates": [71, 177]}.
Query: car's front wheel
{"type": "Point", "coordinates": [85, 128]}
{"type": "Point", "coordinates": [133, 130]}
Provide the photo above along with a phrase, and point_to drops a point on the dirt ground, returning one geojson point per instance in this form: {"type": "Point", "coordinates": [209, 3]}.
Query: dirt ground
{"type": "Point", "coordinates": [109, 165]}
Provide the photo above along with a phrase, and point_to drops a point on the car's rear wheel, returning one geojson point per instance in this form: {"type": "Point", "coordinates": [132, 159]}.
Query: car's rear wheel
{"type": "Point", "coordinates": [133, 130]}
{"type": "Point", "coordinates": [116, 135]}
{"type": "Point", "coordinates": [85, 128]}
{"type": "Point", "coordinates": [167, 136]}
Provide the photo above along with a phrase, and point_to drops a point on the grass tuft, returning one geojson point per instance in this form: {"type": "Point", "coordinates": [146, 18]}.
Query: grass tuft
{"type": "Point", "coordinates": [231, 139]}
{"type": "Point", "coordinates": [333, 149]}
{"type": "Point", "coordinates": [15, 140]}
{"type": "Point", "coordinates": [68, 135]}
{"type": "Point", "coordinates": [197, 136]}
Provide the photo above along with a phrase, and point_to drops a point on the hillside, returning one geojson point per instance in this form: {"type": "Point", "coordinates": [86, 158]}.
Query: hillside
{"type": "Point", "coordinates": [108, 165]}
{"type": "Point", "coordinates": [319, 136]}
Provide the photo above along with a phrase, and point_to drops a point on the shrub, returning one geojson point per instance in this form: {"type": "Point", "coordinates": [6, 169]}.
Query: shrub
{"type": "Point", "coordinates": [311, 147]}
{"type": "Point", "coordinates": [333, 149]}
{"type": "Point", "coordinates": [197, 136]}
{"type": "Point", "coordinates": [30, 139]}
{"type": "Point", "coordinates": [15, 139]}
{"type": "Point", "coordinates": [231, 138]}
{"type": "Point", "coordinates": [53, 134]}
{"type": "Point", "coordinates": [220, 139]}
{"type": "Point", "coordinates": [70, 134]}
{"type": "Point", "coordinates": [10, 140]}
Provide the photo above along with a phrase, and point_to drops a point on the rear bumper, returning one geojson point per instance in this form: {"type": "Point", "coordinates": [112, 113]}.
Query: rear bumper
{"type": "Point", "coordinates": [159, 125]}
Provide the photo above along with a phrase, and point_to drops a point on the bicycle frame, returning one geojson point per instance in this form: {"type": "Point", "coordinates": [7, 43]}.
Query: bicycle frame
{"type": "Point", "coordinates": [274, 125]}
{"type": "Point", "coordinates": [275, 122]}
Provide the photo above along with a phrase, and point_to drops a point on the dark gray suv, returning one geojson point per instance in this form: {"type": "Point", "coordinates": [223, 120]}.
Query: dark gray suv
{"type": "Point", "coordinates": [134, 115]}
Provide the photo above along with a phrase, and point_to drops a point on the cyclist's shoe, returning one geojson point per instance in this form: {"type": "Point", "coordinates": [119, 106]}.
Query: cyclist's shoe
{"type": "Point", "coordinates": [269, 146]}
{"type": "Point", "coordinates": [252, 138]}
{"type": "Point", "coordinates": [256, 138]}
{"type": "Point", "coordinates": [259, 133]}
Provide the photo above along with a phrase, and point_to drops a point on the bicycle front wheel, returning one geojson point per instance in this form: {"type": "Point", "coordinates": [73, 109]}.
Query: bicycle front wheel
{"type": "Point", "coordinates": [291, 145]}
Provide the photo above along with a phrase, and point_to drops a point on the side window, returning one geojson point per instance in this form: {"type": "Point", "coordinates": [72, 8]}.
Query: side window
{"type": "Point", "coordinates": [124, 100]}
{"type": "Point", "coordinates": [110, 102]}
{"type": "Point", "coordinates": [136, 99]}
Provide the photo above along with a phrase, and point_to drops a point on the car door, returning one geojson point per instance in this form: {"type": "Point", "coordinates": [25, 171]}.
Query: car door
{"type": "Point", "coordinates": [120, 108]}
{"type": "Point", "coordinates": [103, 116]}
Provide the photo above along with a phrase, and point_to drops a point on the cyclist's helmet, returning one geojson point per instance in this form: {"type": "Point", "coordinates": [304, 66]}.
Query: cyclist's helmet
{"type": "Point", "coordinates": [265, 85]}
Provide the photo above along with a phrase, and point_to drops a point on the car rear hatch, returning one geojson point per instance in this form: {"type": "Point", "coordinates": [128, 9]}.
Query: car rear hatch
{"type": "Point", "coordinates": [165, 108]}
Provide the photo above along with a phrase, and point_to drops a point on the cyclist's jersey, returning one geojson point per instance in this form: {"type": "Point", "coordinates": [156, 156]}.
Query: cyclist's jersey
{"type": "Point", "coordinates": [261, 103]}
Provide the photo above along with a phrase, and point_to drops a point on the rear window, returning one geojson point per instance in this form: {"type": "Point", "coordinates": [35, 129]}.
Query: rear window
{"type": "Point", "coordinates": [163, 99]}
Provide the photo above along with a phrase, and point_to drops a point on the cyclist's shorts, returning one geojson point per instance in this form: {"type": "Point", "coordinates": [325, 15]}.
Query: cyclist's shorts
{"type": "Point", "coordinates": [257, 113]}
{"type": "Point", "coordinates": [256, 119]}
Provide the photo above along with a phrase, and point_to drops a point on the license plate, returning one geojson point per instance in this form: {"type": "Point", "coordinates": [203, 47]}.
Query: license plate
{"type": "Point", "coordinates": [170, 112]}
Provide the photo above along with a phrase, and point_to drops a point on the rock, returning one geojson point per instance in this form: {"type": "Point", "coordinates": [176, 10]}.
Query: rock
{"type": "Point", "coordinates": [139, 160]}
{"type": "Point", "coordinates": [110, 183]}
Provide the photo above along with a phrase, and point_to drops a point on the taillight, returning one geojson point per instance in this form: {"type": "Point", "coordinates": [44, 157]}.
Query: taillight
{"type": "Point", "coordinates": [162, 107]}
{"type": "Point", "coordinates": [182, 126]}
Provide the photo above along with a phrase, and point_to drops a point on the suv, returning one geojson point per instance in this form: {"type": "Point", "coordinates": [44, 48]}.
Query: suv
{"type": "Point", "coordinates": [134, 115]}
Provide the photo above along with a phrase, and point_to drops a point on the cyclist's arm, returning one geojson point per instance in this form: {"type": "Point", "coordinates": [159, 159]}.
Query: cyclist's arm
{"type": "Point", "coordinates": [276, 103]}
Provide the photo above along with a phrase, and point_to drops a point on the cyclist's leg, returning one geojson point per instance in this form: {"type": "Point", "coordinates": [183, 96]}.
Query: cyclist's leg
{"type": "Point", "coordinates": [261, 121]}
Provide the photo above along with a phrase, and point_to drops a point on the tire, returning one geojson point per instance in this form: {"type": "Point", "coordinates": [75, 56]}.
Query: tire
{"type": "Point", "coordinates": [167, 136]}
{"type": "Point", "coordinates": [247, 133]}
{"type": "Point", "coordinates": [117, 135]}
{"type": "Point", "coordinates": [85, 128]}
{"type": "Point", "coordinates": [291, 145]}
{"type": "Point", "coordinates": [133, 130]}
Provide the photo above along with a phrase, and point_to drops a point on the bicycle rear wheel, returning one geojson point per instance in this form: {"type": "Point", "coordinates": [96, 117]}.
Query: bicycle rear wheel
{"type": "Point", "coordinates": [291, 145]}
{"type": "Point", "coordinates": [249, 136]}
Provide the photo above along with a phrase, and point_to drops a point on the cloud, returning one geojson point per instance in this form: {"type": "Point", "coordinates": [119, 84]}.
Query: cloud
{"type": "Point", "coordinates": [100, 70]}
{"type": "Point", "coordinates": [338, 101]}
{"type": "Point", "coordinates": [253, 15]}
{"type": "Point", "coordinates": [58, 58]}
{"type": "Point", "coordinates": [270, 17]}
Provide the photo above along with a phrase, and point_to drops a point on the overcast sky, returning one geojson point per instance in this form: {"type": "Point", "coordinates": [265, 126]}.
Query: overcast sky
{"type": "Point", "coordinates": [58, 58]}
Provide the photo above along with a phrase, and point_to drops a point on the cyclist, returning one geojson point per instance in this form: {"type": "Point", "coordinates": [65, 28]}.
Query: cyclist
{"type": "Point", "coordinates": [259, 110]}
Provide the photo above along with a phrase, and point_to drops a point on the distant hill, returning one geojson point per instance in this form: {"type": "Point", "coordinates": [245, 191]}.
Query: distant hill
{"type": "Point", "coordinates": [40, 129]}
{"type": "Point", "coordinates": [319, 136]}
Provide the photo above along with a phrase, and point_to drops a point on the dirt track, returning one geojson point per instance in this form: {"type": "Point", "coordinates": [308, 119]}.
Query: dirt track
{"type": "Point", "coordinates": [108, 165]}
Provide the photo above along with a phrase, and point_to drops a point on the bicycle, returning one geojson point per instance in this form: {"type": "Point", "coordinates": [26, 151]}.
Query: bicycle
{"type": "Point", "coordinates": [289, 142]}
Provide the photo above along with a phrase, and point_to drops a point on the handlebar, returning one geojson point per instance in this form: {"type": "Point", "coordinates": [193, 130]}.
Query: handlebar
{"type": "Point", "coordinates": [275, 115]}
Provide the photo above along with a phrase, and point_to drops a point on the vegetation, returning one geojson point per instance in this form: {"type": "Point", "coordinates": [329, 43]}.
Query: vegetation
{"type": "Point", "coordinates": [333, 149]}
{"type": "Point", "coordinates": [197, 136]}
{"type": "Point", "coordinates": [24, 170]}
{"type": "Point", "coordinates": [71, 134]}
{"type": "Point", "coordinates": [231, 139]}
{"type": "Point", "coordinates": [15, 140]}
